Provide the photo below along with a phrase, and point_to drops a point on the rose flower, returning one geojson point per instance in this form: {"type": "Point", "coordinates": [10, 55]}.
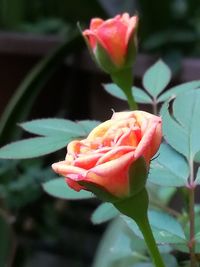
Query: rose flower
{"type": "Point", "coordinates": [113, 42]}
{"type": "Point", "coordinates": [106, 155]}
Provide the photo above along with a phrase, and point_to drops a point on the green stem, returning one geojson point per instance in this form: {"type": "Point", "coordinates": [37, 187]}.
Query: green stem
{"type": "Point", "coordinates": [136, 208]}
{"type": "Point", "coordinates": [145, 228]}
{"type": "Point", "coordinates": [155, 108]}
{"type": "Point", "coordinates": [124, 79]}
{"type": "Point", "coordinates": [131, 101]}
{"type": "Point", "coordinates": [192, 215]}
{"type": "Point", "coordinates": [192, 230]}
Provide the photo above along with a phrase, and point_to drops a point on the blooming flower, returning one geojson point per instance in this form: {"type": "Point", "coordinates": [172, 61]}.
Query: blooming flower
{"type": "Point", "coordinates": [113, 41]}
{"type": "Point", "coordinates": [105, 157]}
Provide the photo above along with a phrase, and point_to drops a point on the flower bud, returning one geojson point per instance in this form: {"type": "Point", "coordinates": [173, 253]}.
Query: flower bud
{"type": "Point", "coordinates": [113, 42]}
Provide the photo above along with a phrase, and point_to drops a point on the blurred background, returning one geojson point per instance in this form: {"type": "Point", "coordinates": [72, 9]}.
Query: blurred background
{"type": "Point", "coordinates": [45, 71]}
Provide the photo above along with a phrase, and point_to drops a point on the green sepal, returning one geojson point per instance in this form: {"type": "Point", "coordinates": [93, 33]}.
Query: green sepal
{"type": "Point", "coordinates": [104, 60]}
{"type": "Point", "coordinates": [135, 206]}
{"type": "Point", "coordinates": [138, 174]}
{"type": "Point", "coordinates": [106, 63]}
{"type": "Point", "coordinates": [123, 78]}
{"type": "Point", "coordinates": [132, 50]}
{"type": "Point", "coordinates": [100, 56]}
{"type": "Point", "coordinates": [99, 191]}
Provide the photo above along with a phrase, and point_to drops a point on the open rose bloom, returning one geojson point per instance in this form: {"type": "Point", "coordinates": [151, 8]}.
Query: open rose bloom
{"type": "Point", "coordinates": [105, 156]}
{"type": "Point", "coordinates": [113, 41]}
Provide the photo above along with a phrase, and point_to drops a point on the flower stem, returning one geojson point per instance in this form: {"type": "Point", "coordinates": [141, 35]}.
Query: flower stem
{"type": "Point", "coordinates": [150, 241]}
{"type": "Point", "coordinates": [131, 101]}
{"type": "Point", "coordinates": [192, 216]}
{"type": "Point", "coordinates": [124, 79]}
{"type": "Point", "coordinates": [155, 108]}
{"type": "Point", "coordinates": [192, 232]}
{"type": "Point", "coordinates": [136, 208]}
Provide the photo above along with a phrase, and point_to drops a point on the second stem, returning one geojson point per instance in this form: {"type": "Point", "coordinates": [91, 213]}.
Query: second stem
{"type": "Point", "coordinates": [124, 79]}
{"type": "Point", "coordinates": [192, 215]}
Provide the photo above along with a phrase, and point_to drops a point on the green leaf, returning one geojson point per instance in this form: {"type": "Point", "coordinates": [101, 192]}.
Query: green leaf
{"type": "Point", "coordinates": [197, 180]}
{"type": "Point", "coordinates": [25, 95]}
{"type": "Point", "coordinates": [165, 194]}
{"type": "Point", "coordinates": [197, 157]}
{"type": "Point", "coordinates": [115, 247]}
{"type": "Point", "coordinates": [197, 237]}
{"type": "Point", "coordinates": [104, 213]}
{"type": "Point", "coordinates": [169, 168]}
{"type": "Point", "coordinates": [53, 127]}
{"type": "Point", "coordinates": [186, 123]}
{"type": "Point", "coordinates": [187, 232]}
{"type": "Point", "coordinates": [164, 221]}
{"type": "Point", "coordinates": [88, 125]}
{"type": "Point", "coordinates": [5, 242]}
{"type": "Point", "coordinates": [33, 147]}
{"type": "Point", "coordinates": [169, 260]}
{"type": "Point", "coordinates": [181, 247]}
{"type": "Point", "coordinates": [156, 78]}
{"type": "Point", "coordinates": [166, 229]}
{"type": "Point", "coordinates": [115, 91]}
{"type": "Point", "coordinates": [6, 166]}
{"type": "Point", "coordinates": [144, 264]}
{"type": "Point", "coordinates": [187, 111]}
{"type": "Point", "coordinates": [58, 188]}
{"type": "Point", "coordinates": [140, 95]}
{"type": "Point", "coordinates": [179, 89]}
{"type": "Point", "coordinates": [173, 132]}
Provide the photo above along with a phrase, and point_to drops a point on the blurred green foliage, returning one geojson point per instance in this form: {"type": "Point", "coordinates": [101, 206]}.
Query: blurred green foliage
{"type": "Point", "coordinates": [170, 27]}
{"type": "Point", "coordinates": [46, 16]}
{"type": "Point", "coordinates": [20, 184]}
